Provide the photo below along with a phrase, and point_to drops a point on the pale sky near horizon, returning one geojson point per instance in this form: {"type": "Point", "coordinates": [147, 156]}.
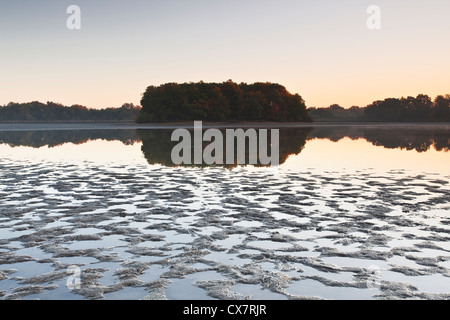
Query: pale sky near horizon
{"type": "Point", "coordinates": [319, 49]}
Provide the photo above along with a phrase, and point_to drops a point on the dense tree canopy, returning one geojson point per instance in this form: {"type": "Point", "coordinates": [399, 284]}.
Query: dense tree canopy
{"type": "Point", "coordinates": [227, 101]}
{"type": "Point", "coordinates": [420, 108]}
{"type": "Point", "coordinates": [37, 111]}
{"type": "Point", "coordinates": [412, 109]}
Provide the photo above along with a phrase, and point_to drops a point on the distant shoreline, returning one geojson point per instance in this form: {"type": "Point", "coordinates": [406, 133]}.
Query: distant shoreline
{"type": "Point", "coordinates": [85, 125]}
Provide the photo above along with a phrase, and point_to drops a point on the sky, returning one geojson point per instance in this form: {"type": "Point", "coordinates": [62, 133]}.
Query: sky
{"type": "Point", "coordinates": [322, 49]}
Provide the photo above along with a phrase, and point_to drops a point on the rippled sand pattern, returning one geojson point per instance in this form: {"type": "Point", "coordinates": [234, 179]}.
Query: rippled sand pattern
{"type": "Point", "coordinates": [140, 232]}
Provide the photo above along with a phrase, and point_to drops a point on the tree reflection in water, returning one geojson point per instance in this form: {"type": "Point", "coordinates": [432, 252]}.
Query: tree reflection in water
{"type": "Point", "coordinates": [419, 138]}
{"type": "Point", "coordinates": [157, 145]}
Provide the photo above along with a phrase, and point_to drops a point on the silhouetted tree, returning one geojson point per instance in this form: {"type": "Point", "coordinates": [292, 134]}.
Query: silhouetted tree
{"type": "Point", "coordinates": [442, 108]}
{"type": "Point", "coordinates": [336, 113]}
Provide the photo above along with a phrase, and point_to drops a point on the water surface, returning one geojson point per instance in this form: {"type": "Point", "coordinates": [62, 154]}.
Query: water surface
{"type": "Point", "coordinates": [352, 212]}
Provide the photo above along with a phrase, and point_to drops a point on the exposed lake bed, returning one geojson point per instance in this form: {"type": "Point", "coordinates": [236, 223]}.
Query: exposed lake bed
{"type": "Point", "coordinates": [145, 231]}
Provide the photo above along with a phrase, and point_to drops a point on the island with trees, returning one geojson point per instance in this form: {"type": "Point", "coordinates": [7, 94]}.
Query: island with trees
{"type": "Point", "coordinates": [227, 101]}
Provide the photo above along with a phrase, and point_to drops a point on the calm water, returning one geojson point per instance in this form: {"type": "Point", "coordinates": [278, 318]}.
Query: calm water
{"type": "Point", "coordinates": [100, 212]}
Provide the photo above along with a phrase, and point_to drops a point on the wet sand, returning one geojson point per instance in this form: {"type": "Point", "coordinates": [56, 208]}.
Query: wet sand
{"type": "Point", "coordinates": [151, 232]}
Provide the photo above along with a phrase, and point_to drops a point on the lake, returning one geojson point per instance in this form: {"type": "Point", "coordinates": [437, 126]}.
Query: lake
{"type": "Point", "coordinates": [99, 211]}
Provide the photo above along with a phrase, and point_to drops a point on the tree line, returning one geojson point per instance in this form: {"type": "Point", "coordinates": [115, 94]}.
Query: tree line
{"type": "Point", "coordinates": [50, 111]}
{"type": "Point", "coordinates": [227, 101]}
{"type": "Point", "coordinates": [410, 109]}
